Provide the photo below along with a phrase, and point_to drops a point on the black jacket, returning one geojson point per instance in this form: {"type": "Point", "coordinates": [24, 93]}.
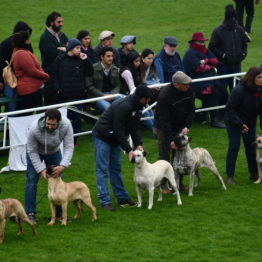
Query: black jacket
{"type": "Point", "coordinates": [228, 43]}
{"type": "Point", "coordinates": [69, 73]}
{"type": "Point", "coordinates": [243, 107]}
{"type": "Point", "coordinates": [118, 121]}
{"type": "Point", "coordinates": [174, 111]}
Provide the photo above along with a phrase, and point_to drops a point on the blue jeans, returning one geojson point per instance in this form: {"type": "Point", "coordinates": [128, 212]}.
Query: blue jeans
{"type": "Point", "coordinates": [234, 136]}
{"type": "Point", "coordinates": [108, 165]}
{"type": "Point", "coordinates": [102, 105]}
{"type": "Point", "coordinates": [149, 123]}
{"type": "Point", "coordinates": [32, 178]}
{"type": "Point", "coordinates": [10, 92]}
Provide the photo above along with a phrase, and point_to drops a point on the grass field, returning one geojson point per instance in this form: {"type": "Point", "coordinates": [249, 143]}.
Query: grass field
{"type": "Point", "coordinates": [213, 225]}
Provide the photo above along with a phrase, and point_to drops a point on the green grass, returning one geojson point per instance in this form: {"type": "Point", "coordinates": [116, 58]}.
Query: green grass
{"type": "Point", "coordinates": [213, 225]}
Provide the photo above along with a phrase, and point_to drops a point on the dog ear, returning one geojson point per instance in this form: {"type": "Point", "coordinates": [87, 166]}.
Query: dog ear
{"type": "Point", "coordinates": [144, 153]}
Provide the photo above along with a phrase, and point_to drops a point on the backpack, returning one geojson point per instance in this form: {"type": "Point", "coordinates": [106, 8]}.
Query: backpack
{"type": "Point", "coordinates": [8, 73]}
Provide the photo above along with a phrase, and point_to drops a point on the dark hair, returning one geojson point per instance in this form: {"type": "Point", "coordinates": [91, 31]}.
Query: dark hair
{"type": "Point", "coordinates": [143, 68]}
{"type": "Point", "coordinates": [53, 114]}
{"type": "Point", "coordinates": [249, 78]}
{"type": "Point", "coordinates": [52, 17]}
{"type": "Point", "coordinates": [105, 49]}
{"type": "Point", "coordinates": [19, 38]}
{"type": "Point", "coordinates": [81, 34]}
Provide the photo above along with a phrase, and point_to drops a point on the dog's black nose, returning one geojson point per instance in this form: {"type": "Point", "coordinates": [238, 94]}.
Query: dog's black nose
{"type": "Point", "coordinates": [133, 160]}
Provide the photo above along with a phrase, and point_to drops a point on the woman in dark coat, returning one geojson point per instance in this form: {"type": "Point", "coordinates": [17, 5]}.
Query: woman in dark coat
{"type": "Point", "coordinates": [243, 107]}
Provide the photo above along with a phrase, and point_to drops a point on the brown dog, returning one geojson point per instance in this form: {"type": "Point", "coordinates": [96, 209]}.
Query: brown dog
{"type": "Point", "coordinates": [61, 193]}
{"type": "Point", "coordinates": [13, 208]}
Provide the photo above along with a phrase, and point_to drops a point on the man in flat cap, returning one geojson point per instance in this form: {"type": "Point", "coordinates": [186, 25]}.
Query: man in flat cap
{"type": "Point", "coordinates": [106, 40]}
{"type": "Point", "coordinates": [174, 114]}
{"type": "Point", "coordinates": [168, 61]}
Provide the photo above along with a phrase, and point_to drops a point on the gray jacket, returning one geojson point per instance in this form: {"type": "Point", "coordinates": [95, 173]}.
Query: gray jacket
{"type": "Point", "coordinates": [40, 141]}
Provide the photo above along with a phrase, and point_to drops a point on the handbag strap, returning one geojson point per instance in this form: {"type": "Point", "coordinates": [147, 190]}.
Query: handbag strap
{"type": "Point", "coordinates": [12, 57]}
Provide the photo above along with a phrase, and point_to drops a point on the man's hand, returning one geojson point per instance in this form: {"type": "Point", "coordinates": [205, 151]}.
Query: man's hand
{"type": "Point", "coordinates": [130, 155]}
{"type": "Point", "coordinates": [140, 148]}
{"type": "Point", "coordinates": [83, 56]}
{"type": "Point", "coordinates": [184, 131]}
{"type": "Point", "coordinates": [43, 174]}
{"type": "Point", "coordinates": [57, 171]}
{"type": "Point", "coordinates": [173, 145]}
{"type": "Point", "coordinates": [108, 99]}
{"type": "Point", "coordinates": [245, 129]}
{"type": "Point", "coordinates": [61, 48]}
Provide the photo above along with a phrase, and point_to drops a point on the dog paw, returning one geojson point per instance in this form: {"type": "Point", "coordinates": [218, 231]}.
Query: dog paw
{"type": "Point", "coordinates": [258, 181]}
{"type": "Point", "coordinates": [139, 205]}
{"type": "Point", "coordinates": [51, 223]}
{"type": "Point", "coordinates": [224, 187]}
{"type": "Point", "coordinates": [20, 233]}
{"type": "Point", "coordinates": [179, 203]}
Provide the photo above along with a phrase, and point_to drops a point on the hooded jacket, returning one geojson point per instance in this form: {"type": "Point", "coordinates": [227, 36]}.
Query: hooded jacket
{"type": "Point", "coordinates": [40, 141]}
{"type": "Point", "coordinates": [7, 47]}
{"type": "Point", "coordinates": [118, 121]}
{"type": "Point", "coordinates": [228, 43]}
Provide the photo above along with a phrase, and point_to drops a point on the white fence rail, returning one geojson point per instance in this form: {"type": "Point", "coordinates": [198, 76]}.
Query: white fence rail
{"type": "Point", "coordinates": [4, 116]}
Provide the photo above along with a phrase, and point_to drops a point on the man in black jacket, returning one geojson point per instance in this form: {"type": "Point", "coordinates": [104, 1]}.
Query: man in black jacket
{"type": "Point", "coordinates": [52, 43]}
{"type": "Point", "coordinates": [110, 133]}
{"type": "Point", "coordinates": [174, 114]}
{"type": "Point", "coordinates": [228, 43]}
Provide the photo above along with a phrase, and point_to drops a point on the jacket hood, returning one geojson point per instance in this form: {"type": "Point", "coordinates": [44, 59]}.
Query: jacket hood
{"type": "Point", "coordinates": [22, 26]}
{"type": "Point", "coordinates": [230, 24]}
{"type": "Point", "coordinates": [41, 123]}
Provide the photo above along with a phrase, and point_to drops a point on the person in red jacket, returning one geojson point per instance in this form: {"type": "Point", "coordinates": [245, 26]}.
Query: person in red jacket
{"type": "Point", "coordinates": [30, 76]}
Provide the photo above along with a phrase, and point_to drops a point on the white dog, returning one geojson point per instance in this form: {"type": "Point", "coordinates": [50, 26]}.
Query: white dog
{"type": "Point", "coordinates": [259, 158]}
{"type": "Point", "coordinates": [148, 176]}
{"type": "Point", "coordinates": [188, 161]}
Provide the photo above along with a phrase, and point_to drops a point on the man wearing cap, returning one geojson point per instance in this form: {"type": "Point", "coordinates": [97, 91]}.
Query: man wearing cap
{"type": "Point", "coordinates": [110, 133]}
{"type": "Point", "coordinates": [199, 62]}
{"type": "Point", "coordinates": [106, 40]}
{"type": "Point", "coordinates": [127, 42]}
{"type": "Point", "coordinates": [174, 114]}
{"type": "Point", "coordinates": [229, 45]}
{"type": "Point", "coordinates": [69, 72]}
{"type": "Point", "coordinates": [52, 42]}
{"type": "Point", "coordinates": [168, 61]}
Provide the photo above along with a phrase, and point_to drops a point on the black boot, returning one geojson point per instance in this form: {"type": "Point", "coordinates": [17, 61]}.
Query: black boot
{"type": "Point", "coordinates": [215, 123]}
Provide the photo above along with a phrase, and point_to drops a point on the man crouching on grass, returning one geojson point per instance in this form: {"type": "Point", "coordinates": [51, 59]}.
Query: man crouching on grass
{"type": "Point", "coordinates": [43, 149]}
{"type": "Point", "coordinates": [110, 133]}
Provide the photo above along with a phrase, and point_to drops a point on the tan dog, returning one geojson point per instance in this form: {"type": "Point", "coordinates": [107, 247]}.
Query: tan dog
{"type": "Point", "coordinates": [13, 208]}
{"type": "Point", "coordinates": [61, 193]}
{"type": "Point", "coordinates": [259, 158]}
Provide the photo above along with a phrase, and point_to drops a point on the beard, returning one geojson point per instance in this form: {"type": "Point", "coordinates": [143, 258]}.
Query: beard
{"type": "Point", "coordinates": [56, 28]}
{"type": "Point", "coordinates": [170, 53]}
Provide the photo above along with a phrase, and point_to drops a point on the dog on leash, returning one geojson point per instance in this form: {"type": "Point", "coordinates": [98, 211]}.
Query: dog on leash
{"type": "Point", "coordinates": [259, 158]}
{"type": "Point", "coordinates": [61, 193]}
{"type": "Point", "coordinates": [148, 176]}
{"type": "Point", "coordinates": [13, 209]}
{"type": "Point", "coordinates": [188, 161]}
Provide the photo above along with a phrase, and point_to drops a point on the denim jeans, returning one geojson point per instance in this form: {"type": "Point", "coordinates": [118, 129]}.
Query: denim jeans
{"type": "Point", "coordinates": [149, 123]}
{"type": "Point", "coordinates": [32, 178]}
{"type": "Point", "coordinates": [102, 105]}
{"type": "Point", "coordinates": [234, 136]}
{"type": "Point", "coordinates": [108, 165]}
{"type": "Point", "coordinates": [10, 92]}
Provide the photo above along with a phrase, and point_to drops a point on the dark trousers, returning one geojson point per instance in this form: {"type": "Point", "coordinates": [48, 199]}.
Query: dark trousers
{"type": "Point", "coordinates": [224, 69]}
{"type": "Point", "coordinates": [234, 137]}
{"type": "Point", "coordinates": [50, 94]}
{"type": "Point", "coordinates": [30, 101]}
{"type": "Point", "coordinates": [241, 5]}
{"type": "Point", "coordinates": [75, 120]}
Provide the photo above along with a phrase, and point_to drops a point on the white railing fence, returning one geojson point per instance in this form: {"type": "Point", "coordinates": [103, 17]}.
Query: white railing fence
{"type": "Point", "coordinates": [4, 116]}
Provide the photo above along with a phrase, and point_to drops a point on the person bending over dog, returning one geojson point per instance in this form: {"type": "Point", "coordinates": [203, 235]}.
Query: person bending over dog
{"type": "Point", "coordinates": [43, 148]}
{"type": "Point", "coordinates": [121, 119]}
{"type": "Point", "coordinates": [174, 114]}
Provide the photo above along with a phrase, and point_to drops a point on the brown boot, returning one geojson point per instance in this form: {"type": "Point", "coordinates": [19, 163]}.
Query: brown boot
{"type": "Point", "coordinates": [230, 180]}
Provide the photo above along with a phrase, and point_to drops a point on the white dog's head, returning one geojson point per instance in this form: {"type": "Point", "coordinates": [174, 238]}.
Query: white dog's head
{"type": "Point", "coordinates": [259, 141]}
{"type": "Point", "coordinates": [182, 140]}
{"type": "Point", "coordinates": [138, 157]}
